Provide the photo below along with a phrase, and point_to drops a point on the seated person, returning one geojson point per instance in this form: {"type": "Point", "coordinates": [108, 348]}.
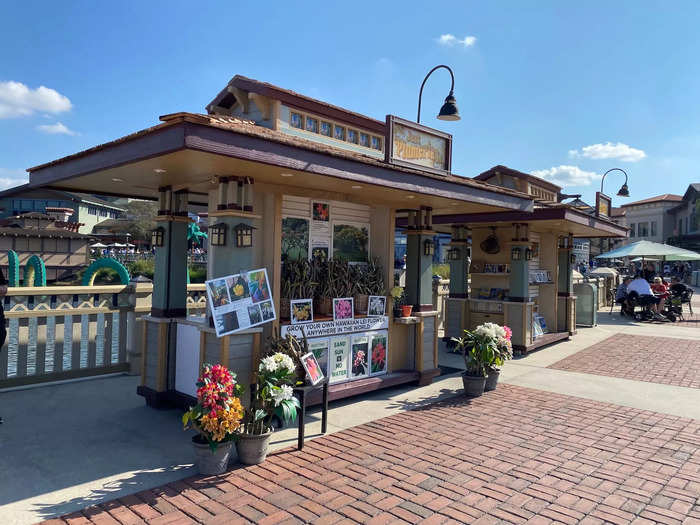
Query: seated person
{"type": "Point", "coordinates": [649, 273]}
{"type": "Point", "coordinates": [646, 296]}
{"type": "Point", "coordinates": [659, 288]}
{"type": "Point", "coordinates": [621, 296]}
{"type": "Point", "coordinates": [677, 287]}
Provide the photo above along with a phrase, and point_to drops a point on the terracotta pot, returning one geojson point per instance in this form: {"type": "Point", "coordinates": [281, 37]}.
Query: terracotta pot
{"type": "Point", "coordinates": [361, 304]}
{"type": "Point", "coordinates": [406, 310]}
{"type": "Point", "coordinates": [473, 385]}
{"type": "Point", "coordinates": [492, 380]}
{"type": "Point", "coordinates": [252, 448]}
{"type": "Point", "coordinates": [285, 308]}
{"type": "Point", "coordinates": [211, 462]}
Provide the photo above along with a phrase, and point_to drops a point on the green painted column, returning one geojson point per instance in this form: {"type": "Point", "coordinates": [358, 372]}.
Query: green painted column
{"type": "Point", "coordinates": [459, 268]}
{"type": "Point", "coordinates": [519, 275]}
{"type": "Point", "coordinates": [228, 259]}
{"type": "Point", "coordinates": [566, 272]}
{"type": "Point", "coordinates": [170, 275]}
{"type": "Point", "coordinates": [419, 271]}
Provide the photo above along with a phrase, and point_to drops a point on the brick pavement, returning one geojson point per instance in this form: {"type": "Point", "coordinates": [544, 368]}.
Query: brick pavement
{"type": "Point", "coordinates": [664, 360]}
{"type": "Point", "coordinates": [515, 455]}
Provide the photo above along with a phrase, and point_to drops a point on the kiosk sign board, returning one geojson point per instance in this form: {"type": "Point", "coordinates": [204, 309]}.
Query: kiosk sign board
{"type": "Point", "coordinates": [412, 145]}
{"type": "Point", "coordinates": [240, 301]}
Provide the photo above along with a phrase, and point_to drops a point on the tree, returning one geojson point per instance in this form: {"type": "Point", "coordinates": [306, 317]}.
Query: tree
{"type": "Point", "coordinates": [141, 219]}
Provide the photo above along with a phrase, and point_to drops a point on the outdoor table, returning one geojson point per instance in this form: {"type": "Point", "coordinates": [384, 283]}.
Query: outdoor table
{"type": "Point", "coordinates": [301, 392]}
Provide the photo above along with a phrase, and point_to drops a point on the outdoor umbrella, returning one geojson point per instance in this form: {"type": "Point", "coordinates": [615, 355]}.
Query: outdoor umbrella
{"type": "Point", "coordinates": [118, 245]}
{"type": "Point", "coordinates": [604, 271]}
{"type": "Point", "coordinates": [648, 249]}
{"type": "Point", "coordinates": [98, 245]}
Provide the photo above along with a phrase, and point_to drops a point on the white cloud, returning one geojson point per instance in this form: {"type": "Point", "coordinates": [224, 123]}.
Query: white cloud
{"type": "Point", "coordinates": [17, 100]}
{"type": "Point", "coordinates": [609, 150]}
{"type": "Point", "coordinates": [55, 129]}
{"type": "Point", "coordinates": [10, 178]}
{"type": "Point", "coordinates": [567, 175]}
{"type": "Point", "coordinates": [450, 40]}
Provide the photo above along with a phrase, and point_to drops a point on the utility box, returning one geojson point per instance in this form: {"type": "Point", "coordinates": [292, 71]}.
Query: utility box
{"type": "Point", "coordinates": [586, 304]}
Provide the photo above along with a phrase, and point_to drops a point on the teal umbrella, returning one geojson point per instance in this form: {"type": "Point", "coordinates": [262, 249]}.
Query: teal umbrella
{"type": "Point", "coordinates": [654, 250]}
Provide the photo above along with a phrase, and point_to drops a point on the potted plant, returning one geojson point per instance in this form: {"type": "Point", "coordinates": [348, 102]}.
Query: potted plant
{"type": "Point", "coordinates": [337, 281]}
{"type": "Point", "coordinates": [273, 396]}
{"type": "Point", "coordinates": [504, 352]}
{"type": "Point", "coordinates": [298, 282]}
{"type": "Point", "coordinates": [478, 348]}
{"type": "Point", "coordinates": [216, 417]}
{"type": "Point", "coordinates": [368, 281]}
{"type": "Point", "coordinates": [401, 309]}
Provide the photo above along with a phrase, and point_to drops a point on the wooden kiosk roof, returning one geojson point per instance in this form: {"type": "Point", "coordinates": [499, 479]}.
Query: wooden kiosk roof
{"type": "Point", "coordinates": [188, 150]}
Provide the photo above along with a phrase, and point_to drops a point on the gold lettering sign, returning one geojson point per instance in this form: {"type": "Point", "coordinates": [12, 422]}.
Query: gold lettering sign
{"type": "Point", "coordinates": [413, 145]}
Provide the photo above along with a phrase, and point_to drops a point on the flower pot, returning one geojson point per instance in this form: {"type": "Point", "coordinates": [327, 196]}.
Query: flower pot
{"type": "Point", "coordinates": [473, 385]}
{"type": "Point", "coordinates": [406, 310]}
{"type": "Point", "coordinates": [361, 303]}
{"type": "Point", "coordinates": [285, 308]}
{"type": "Point", "coordinates": [491, 380]}
{"type": "Point", "coordinates": [211, 462]}
{"type": "Point", "coordinates": [252, 448]}
{"type": "Point", "coordinates": [325, 306]}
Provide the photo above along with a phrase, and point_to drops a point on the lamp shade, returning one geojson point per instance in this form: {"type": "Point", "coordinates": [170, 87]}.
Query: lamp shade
{"type": "Point", "coordinates": [624, 191]}
{"type": "Point", "coordinates": [449, 110]}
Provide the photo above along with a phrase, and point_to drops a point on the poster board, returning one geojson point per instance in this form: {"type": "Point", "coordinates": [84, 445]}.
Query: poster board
{"type": "Point", "coordinates": [359, 356]}
{"type": "Point", "coordinates": [338, 359]}
{"type": "Point", "coordinates": [603, 203]}
{"type": "Point", "coordinates": [240, 301]}
{"type": "Point", "coordinates": [378, 352]}
{"type": "Point", "coordinates": [319, 347]}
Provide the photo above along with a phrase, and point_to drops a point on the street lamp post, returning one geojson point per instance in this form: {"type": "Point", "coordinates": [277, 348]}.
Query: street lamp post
{"type": "Point", "coordinates": [624, 190]}
{"type": "Point", "coordinates": [449, 110]}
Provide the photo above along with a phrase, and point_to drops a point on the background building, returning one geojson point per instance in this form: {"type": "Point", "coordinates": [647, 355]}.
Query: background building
{"type": "Point", "coordinates": [648, 219]}
{"type": "Point", "coordinates": [684, 218]}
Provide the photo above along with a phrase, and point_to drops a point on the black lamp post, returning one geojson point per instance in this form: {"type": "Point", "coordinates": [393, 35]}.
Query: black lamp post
{"type": "Point", "coordinates": [449, 110]}
{"type": "Point", "coordinates": [624, 190]}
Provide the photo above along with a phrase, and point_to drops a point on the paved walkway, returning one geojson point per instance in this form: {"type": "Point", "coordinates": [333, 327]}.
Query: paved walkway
{"type": "Point", "coordinates": [516, 455]}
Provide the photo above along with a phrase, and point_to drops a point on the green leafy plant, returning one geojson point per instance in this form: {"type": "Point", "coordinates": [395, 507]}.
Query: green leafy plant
{"type": "Point", "coordinates": [298, 279]}
{"type": "Point", "coordinates": [485, 348]}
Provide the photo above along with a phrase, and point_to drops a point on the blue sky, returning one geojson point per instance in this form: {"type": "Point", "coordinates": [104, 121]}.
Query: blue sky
{"type": "Point", "coordinates": [565, 90]}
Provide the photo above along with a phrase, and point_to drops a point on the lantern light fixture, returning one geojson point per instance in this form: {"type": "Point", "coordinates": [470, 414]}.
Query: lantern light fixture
{"type": "Point", "coordinates": [572, 258]}
{"type": "Point", "coordinates": [158, 237]}
{"type": "Point", "coordinates": [528, 254]}
{"type": "Point", "coordinates": [244, 235]}
{"type": "Point", "coordinates": [428, 247]}
{"type": "Point", "coordinates": [217, 234]}
{"type": "Point", "coordinates": [454, 254]}
{"type": "Point", "coordinates": [515, 253]}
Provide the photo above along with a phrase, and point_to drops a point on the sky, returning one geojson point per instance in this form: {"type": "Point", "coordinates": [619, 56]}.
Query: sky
{"type": "Point", "coordinates": [563, 90]}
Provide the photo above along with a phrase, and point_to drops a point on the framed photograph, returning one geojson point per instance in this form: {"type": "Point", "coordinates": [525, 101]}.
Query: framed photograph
{"type": "Point", "coordinates": [343, 308]}
{"type": "Point", "coordinates": [218, 293]}
{"type": "Point", "coordinates": [321, 211]}
{"type": "Point", "coordinates": [378, 353]}
{"type": "Point", "coordinates": [359, 358]}
{"type": "Point", "coordinates": [319, 347]}
{"type": "Point", "coordinates": [302, 311]}
{"type": "Point", "coordinates": [259, 286]}
{"type": "Point", "coordinates": [376, 305]}
{"type": "Point", "coordinates": [295, 238]}
{"type": "Point", "coordinates": [313, 369]}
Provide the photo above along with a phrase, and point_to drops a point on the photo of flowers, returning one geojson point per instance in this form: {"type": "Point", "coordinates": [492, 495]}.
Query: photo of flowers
{"type": "Point", "coordinates": [258, 285]}
{"type": "Point", "coordinates": [320, 349]}
{"type": "Point", "coordinates": [358, 357]}
{"type": "Point", "coordinates": [343, 308]}
{"type": "Point", "coordinates": [254, 314]}
{"type": "Point", "coordinates": [319, 253]}
{"type": "Point", "coordinates": [237, 287]}
{"type": "Point", "coordinates": [302, 311]}
{"type": "Point", "coordinates": [228, 322]}
{"type": "Point", "coordinates": [267, 311]}
{"type": "Point", "coordinates": [218, 293]}
{"type": "Point", "coordinates": [321, 211]}
{"type": "Point", "coordinates": [313, 369]}
{"type": "Point", "coordinates": [376, 306]}
{"type": "Point", "coordinates": [378, 354]}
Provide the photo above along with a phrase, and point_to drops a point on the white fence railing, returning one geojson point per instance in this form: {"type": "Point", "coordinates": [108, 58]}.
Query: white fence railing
{"type": "Point", "coordinates": [62, 332]}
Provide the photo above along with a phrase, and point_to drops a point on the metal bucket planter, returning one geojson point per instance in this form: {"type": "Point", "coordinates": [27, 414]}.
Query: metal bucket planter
{"type": "Point", "coordinates": [211, 462]}
{"type": "Point", "coordinates": [361, 303]}
{"type": "Point", "coordinates": [473, 385]}
{"type": "Point", "coordinates": [492, 380]}
{"type": "Point", "coordinates": [252, 448]}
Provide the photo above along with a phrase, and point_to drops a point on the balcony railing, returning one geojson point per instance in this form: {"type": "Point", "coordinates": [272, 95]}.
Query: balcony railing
{"type": "Point", "coordinates": [62, 332]}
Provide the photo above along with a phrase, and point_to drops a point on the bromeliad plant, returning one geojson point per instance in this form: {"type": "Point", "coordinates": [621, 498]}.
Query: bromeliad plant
{"type": "Point", "coordinates": [273, 396]}
{"type": "Point", "coordinates": [485, 348]}
{"type": "Point", "coordinates": [218, 412]}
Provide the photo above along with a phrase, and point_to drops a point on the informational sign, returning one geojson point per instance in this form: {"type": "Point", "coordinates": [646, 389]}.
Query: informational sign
{"type": "Point", "coordinates": [320, 230]}
{"type": "Point", "coordinates": [359, 358]}
{"type": "Point", "coordinates": [412, 145]}
{"type": "Point", "coordinates": [378, 353]}
{"type": "Point", "coordinates": [602, 205]}
{"type": "Point", "coordinates": [240, 301]}
{"type": "Point", "coordinates": [330, 328]}
{"type": "Point", "coordinates": [319, 347]}
{"type": "Point", "coordinates": [339, 352]}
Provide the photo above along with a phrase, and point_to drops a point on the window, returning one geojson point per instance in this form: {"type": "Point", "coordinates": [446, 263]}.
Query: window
{"type": "Point", "coordinates": [364, 140]}
{"type": "Point", "coordinates": [311, 125]}
{"type": "Point", "coordinates": [653, 228]}
{"type": "Point", "coordinates": [326, 129]}
{"type": "Point", "coordinates": [376, 143]}
{"type": "Point", "coordinates": [92, 210]}
{"type": "Point", "coordinates": [296, 120]}
{"type": "Point", "coordinates": [632, 229]}
{"type": "Point", "coordinates": [339, 133]}
{"type": "Point", "coordinates": [103, 213]}
{"type": "Point", "coordinates": [352, 136]}
{"type": "Point", "coordinates": [643, 229]}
